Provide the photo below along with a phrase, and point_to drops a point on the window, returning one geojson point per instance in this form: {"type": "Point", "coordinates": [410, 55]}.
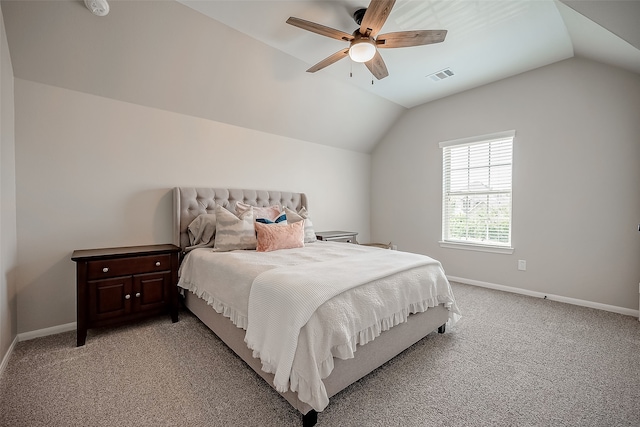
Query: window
{"type": "Point", "coordinates": [476, 205]}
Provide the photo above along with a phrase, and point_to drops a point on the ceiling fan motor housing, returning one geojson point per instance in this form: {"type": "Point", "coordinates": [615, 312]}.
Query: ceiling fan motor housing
{"type": "Point", "coordinates": [358, 15]}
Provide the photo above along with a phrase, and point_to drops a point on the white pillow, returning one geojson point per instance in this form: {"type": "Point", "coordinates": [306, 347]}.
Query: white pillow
{"type": "Point", "coordinates": [234, 232]}
{"type": "Point", "coordinates": [302, 214]}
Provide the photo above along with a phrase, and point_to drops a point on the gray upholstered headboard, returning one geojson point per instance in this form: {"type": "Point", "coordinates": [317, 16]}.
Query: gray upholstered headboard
{"type": "Point", "coordinates": [189, 202]}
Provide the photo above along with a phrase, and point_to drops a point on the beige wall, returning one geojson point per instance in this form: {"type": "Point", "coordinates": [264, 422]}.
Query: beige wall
{"type": "Point", "coordinates": [113, 112]}
{"type": "Point", "coordinates": [8, 242]}
{"type": "Point", "coordinates": [166, 55]}
{"type": "Point", "coordinates": [576, 203]}
{"type": "Point", "coordinates": [96, 172]}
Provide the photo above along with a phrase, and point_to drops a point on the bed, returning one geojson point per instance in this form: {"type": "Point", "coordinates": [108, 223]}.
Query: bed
{"type": "Point", "coordinates": [331, 344]}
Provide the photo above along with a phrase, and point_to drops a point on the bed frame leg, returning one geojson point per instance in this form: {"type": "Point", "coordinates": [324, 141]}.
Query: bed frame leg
{"type": "Point", "coordinates": [310, 418]}
{"type": "Point", "coordinates": [442, 328]}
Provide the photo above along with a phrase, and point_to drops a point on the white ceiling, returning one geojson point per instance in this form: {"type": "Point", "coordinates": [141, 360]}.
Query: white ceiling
{"type": "Point", "coordinates": [487, 40]}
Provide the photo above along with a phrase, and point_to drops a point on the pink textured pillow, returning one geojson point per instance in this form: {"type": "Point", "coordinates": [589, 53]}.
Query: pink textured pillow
{"type": "Point", "coordinates": [268, 212]}
{"type": "Point", "coordinates": [272, 237]}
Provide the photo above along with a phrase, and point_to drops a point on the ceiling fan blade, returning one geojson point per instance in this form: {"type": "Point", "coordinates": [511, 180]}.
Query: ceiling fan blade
{"type": "Point", "coordinates": [319, 29]}
{"type": "Point", "coordinates": [329, 60]}
{"type": "Point", "coordinates": [375, 17]}
{"type": "Point", "coordinates": [410, 38]}
{"type": "Point", "coordinates": [377, 66]}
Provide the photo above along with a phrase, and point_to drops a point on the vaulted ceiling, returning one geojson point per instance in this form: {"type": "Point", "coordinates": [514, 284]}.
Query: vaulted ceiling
{"type": "Point", "coordinates": [487, 40]}
{"type": "Point", "coordinates": [238, 62]}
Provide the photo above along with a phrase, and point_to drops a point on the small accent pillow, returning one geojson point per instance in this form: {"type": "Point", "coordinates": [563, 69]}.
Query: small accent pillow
{"type": "Point", "coordinates": [234, 232]}
{"type": "Point", "coordinates": [282, 220]}
{"type": "Point", "coordinates": [201, 231]}
{"type": "Point", "coordinates": [302, 214]}
{"type": "Point", "coordinates": [272, 237]}
{"type": "Point", "coordinates": [267, 212]}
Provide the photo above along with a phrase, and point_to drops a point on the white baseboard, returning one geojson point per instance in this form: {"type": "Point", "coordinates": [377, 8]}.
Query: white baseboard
{"type": "Point", "coordinates": [47, 331]}
{"type": "Point", "coordinates": [35, 334]}
{"type": "Point", "coordinates": [612, 308]}
{"type": "Point", "coordinates": [7, 355]}
{"type": "Point", "coordinates": [574, 301]}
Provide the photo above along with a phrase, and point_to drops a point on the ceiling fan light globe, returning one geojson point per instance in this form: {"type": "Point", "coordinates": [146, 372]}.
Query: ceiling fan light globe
{"type": "Point", "coordinates": [362, 51]}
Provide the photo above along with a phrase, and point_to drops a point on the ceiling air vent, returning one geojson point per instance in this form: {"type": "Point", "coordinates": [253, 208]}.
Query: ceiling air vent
{"type": "Point", "coordinates": [441, 75]}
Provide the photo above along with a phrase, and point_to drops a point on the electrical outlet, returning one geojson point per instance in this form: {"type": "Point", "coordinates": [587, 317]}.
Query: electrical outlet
{"type": "Point", "coordinates": [522, 265]}
{"type": "Point", "coordinates": [394, 247]}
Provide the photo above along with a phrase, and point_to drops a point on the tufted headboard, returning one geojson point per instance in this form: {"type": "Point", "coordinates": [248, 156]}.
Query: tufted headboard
{"type": "Point", "coordinates": [189, 202]}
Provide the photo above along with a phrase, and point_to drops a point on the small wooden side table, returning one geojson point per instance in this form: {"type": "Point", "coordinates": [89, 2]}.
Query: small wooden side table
{"type": "Point", "coordinates": [337, 236]}
{"type": "Point", "coordinates": [121, 285]}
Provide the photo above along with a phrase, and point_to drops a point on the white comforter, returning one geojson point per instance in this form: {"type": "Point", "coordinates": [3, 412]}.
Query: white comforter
{"type": "Point", "coordinates": [357, 312]}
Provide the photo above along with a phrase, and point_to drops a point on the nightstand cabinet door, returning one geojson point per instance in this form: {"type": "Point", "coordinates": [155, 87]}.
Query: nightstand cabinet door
{"type": "Point", "coordinates": [109, 298]}
{"type": "Point", "coordinates": [151, 291]}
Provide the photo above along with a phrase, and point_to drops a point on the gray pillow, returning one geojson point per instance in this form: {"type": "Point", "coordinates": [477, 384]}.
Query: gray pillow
{"type": "Point", "coordinates": [202, 231]}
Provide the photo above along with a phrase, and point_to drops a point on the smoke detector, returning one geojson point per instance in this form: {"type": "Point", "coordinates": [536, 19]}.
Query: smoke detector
{"type": "Point", "coordinates": [97, 7]}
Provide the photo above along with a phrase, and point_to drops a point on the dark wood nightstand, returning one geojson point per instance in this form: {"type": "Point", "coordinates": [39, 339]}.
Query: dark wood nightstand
{"type": "Point", "coordinates": [337, 236]}
{"type": "Point", "coordinates": [120, 285]}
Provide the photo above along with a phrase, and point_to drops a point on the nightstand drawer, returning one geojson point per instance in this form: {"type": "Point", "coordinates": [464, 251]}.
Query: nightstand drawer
{"type": "Point", "coordinates": [351, 239]}
{"type": "Point", "coordinates": [125, 266]}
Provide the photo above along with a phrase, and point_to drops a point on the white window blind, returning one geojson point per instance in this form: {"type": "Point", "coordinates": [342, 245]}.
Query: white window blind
{"type": "Point", "coordinates": [477, 190]}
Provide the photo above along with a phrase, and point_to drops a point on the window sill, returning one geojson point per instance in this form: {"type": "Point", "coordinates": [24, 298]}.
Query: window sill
{"type": "Point", "coordinates": [479, 248]}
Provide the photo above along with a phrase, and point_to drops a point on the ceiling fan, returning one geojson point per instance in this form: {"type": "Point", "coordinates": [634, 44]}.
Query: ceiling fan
{"type": "Point", "coordinates": [364, 44]}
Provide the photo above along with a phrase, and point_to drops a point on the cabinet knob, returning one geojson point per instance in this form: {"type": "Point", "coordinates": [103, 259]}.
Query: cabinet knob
{"type": "Point", "coordinates": [157, 263]}
{"type": "Point", "coordinates": [105, 270]}
{"type": "Point", "coordinates": [127, 296]}
{"type": "Point", "coordinates": [137, 294]}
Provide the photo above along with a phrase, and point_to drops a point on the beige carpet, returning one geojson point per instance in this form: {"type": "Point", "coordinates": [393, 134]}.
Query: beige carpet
{"type": "Point", "coordinates": [511, 361]}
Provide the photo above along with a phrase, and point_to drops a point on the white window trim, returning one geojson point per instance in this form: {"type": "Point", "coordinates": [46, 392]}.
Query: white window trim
{"type": "Point", "coordinates": [473, 246]}
{"type": "Point", "coordinates": [490, 137]}
{"type": "Point", "coordinates": [480, 248]}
